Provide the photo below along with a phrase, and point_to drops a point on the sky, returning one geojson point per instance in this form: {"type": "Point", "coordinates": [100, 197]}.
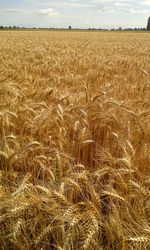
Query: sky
{"type": "Point", "coordinates": [75, 13]}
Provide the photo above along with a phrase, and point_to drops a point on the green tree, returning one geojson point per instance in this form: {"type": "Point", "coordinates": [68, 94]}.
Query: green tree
{"type": "Point", "coordinates": [148, 24]}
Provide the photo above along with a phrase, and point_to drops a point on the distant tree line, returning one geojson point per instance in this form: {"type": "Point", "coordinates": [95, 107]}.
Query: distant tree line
{"type": "Point", "coordinates": [120, 28]}
{"type": "Point", "coordinates": [130, 29]}
{"type": "Point", "coordinates": [11, 27]}
{"type": "Point", "coordinates": [69, 27]}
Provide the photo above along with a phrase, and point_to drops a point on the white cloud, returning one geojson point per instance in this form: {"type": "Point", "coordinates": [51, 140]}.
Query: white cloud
{"type": "Point", "coordinates": [72, 4]}
{"type": "Point", "coordinates": [48, 12]}
{"type": "Point", "coordinates": [122, 4]}
{"type": "Point", "coordinates": [145, 2]}
{"type": "Point", "coordinates": [92, 6]}
{"type": "Point", "coordinates": [106, 9]}
{"type": "Point", "coordinates": [138, 11]}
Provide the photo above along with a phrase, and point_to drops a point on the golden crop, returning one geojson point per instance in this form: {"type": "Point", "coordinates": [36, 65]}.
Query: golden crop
{"type": "Point", "coordinates": [74, 140]}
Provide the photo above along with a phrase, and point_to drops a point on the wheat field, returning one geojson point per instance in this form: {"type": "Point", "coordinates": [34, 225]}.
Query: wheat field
{"type": "Point", "coordinates": [74, 140]}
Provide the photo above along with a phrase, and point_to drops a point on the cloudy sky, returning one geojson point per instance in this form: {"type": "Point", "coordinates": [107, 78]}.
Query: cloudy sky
{"type": "Point", "coordinates": [77, 13]}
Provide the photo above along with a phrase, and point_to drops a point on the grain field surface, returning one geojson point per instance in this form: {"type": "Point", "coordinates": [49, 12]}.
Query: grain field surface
{"type": "Point", "coordinates": [74, 140]}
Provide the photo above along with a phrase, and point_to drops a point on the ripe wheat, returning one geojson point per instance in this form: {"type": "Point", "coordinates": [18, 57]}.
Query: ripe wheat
{"type": "Point", "coordinates": [74, 140]}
